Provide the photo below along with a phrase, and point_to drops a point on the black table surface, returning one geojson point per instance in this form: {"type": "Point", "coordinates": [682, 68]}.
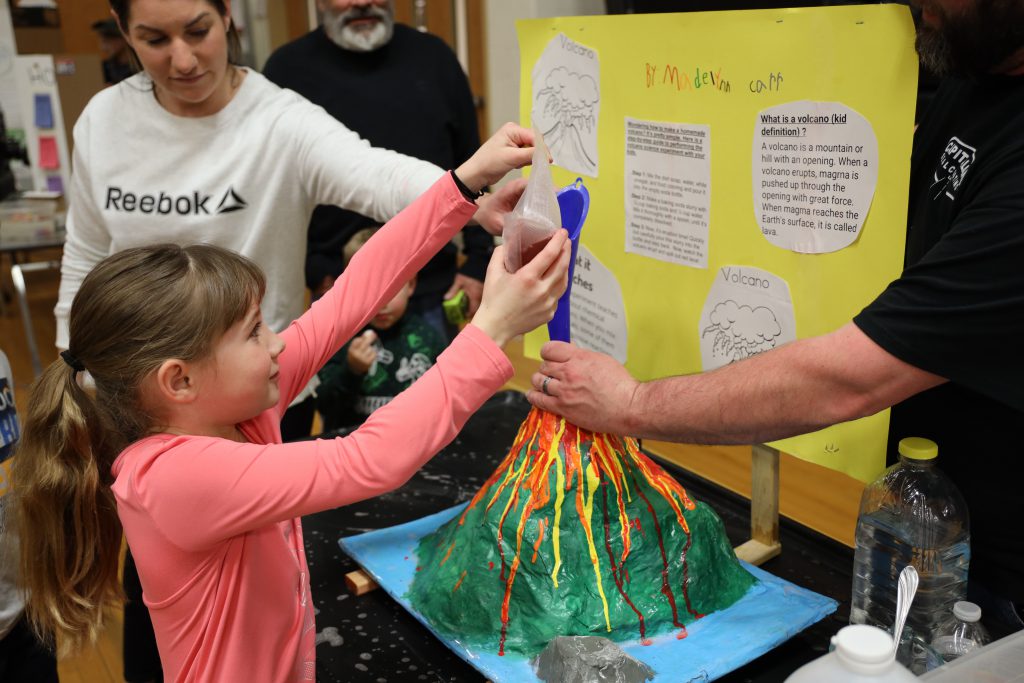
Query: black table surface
{"type": "Point", "coordinates": [373, 638]}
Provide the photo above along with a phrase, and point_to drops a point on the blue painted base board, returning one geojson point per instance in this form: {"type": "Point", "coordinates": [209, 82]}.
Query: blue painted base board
{"type": "Point", "coordinates": [771, 612]}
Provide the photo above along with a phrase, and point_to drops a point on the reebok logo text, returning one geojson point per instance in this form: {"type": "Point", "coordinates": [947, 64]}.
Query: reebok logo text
{"type": "Point", "coordinates": [194, 204]}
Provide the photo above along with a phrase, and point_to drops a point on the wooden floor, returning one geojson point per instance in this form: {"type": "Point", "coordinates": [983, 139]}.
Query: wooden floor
{"type": "Point", "coordinates": [101, 664]}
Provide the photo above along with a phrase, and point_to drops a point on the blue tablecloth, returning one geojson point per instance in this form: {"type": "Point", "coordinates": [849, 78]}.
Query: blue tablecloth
{"type": "Point", "coordinates": [770, 613]}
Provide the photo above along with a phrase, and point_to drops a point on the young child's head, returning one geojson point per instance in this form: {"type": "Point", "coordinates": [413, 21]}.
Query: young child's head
{"type": "Point", "coordinates": [391, 312]}
{"type": "Point", "coordinates": [136, 310]}
{"type": "Point", "coordinates": [140, 307]}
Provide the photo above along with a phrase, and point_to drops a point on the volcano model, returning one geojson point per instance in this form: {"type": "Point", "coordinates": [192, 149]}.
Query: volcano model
{"type": "Point", "coordinates": [575, 533]}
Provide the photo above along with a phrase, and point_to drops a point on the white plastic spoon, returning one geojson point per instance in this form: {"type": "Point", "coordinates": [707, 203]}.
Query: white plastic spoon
{"type": "Point", "coordinates": [905, 590]}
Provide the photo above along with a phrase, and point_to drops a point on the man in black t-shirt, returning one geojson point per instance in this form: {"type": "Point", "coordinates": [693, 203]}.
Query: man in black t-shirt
{"type": "Point", "coordinates": [939, 345]}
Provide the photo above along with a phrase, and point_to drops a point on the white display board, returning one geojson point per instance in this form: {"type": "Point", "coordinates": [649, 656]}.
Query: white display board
{"type": "Point", "coordinates": [8, 85]}
{"type": "Point", "coordinates": [43, 122]}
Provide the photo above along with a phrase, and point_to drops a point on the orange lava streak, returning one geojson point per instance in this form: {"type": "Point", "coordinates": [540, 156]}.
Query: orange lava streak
{"type": "Point", "coordinates": [573, 461]}
{"type": "Point", "coordinates": [550, 425]}
{"type": "Point", "coordinates": [448, 554]}
{"type": "Point", "coordinates": [459, 582]}
{"type": "Point", "coordinates": [609, 464]}
{"type": "Point", "coordinates": [529, 506]}
{"type": "Point", "coordinates": [503, 468]}
{"type": "Point", "coordinates": [541, 523]}
{"type": "Point", "coordinates": [513, 501]}
{"type": "Point", "coordinates": [661, 485]}
{"type": "Point", "coordinates": [672, 484]}
{"type": "Point", "coordinates": [512, 472]}
{"type": "Point", "coordinates": [537, 479]}
{"type": "Point", "coordinates": [617, 445]}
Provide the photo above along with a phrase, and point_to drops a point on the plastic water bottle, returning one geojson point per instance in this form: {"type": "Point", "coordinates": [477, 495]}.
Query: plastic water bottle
{"type": "Point", "coordinates": [911, 514]}
{"type": "Point", "coordinates": [961, 633]}
{"type": "Point", "coordinates": [862, 654]}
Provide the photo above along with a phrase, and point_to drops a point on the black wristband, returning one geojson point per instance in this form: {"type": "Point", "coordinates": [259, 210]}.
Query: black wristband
{"type": "Point", "coordinates": [466, 192]}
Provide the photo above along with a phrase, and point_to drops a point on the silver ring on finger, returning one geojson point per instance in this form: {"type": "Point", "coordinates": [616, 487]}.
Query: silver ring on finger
{"type": "Point", "coordinates": [544, 386]}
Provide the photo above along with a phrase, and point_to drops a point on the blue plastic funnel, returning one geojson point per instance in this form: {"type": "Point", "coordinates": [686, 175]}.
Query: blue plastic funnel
{"type": "Point", "coordinates": [574, 203]}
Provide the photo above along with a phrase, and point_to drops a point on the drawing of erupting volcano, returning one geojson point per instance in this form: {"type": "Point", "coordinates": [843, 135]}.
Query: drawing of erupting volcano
{"type": "Point", "coordinates": [575, 533]}
{"type": "Point", "coordinates": [566, 109]}
{"type": "Point", "coordinates": [741, 331]}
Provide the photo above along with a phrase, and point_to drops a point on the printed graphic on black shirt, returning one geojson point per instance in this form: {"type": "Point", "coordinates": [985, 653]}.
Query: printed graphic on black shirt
{"type": "Point", "coordinates": [956, 159]}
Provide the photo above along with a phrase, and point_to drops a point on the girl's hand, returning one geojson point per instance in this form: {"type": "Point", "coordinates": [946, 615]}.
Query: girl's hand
{"type": "Point", "coordinates": [509, 148]}
{"type": "Point", "coordinates": [516, 303]}
{"type": "Point", "coordinates": [495, 206]}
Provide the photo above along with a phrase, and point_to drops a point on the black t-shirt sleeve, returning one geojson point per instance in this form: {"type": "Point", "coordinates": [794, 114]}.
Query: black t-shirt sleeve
{"type": "Point", "coordinates": [959, 311]}
{"type": "Point", "coordinates": [278, 67]}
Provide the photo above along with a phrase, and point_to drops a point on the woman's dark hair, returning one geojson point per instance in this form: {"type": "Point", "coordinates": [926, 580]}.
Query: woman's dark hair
{"type": "Point", "coordinates": [122, 10]}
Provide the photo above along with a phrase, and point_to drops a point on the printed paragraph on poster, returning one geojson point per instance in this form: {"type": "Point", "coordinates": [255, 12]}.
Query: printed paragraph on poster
{"type": "Point", "coordinates": [815, 166]}
{"type": "Point", "coordinates": [597, 315]}
{"type": "Point", "coordinates": [668, 191]}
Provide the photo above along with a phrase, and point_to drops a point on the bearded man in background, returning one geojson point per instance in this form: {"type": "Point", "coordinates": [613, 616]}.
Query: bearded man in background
{"type": "Point", "coordinates": [400, 89]}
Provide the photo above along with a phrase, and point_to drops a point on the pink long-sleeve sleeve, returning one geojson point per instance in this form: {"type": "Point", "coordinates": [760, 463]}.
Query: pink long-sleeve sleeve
{"type": "Point", "coordinates": [213, 524]}
{"type": "Point", "coordinates": [203, 490]}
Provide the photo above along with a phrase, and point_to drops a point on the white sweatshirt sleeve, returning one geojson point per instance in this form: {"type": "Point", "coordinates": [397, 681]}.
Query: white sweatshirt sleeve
{"type": "Point", "coordinates": [88, 240]}
{"type": "Point", "coordinates": [338, 167]}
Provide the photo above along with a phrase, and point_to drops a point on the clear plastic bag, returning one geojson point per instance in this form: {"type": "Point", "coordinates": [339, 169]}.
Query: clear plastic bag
{"type": "Point", "coordinates": [536, 216]}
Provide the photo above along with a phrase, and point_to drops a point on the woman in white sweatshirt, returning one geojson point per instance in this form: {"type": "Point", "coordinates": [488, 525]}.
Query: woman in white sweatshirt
{"type": "Point", "coordinates": [196, 149]}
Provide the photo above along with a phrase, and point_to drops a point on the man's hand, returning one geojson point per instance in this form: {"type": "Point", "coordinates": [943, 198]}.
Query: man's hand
{"type": "Point", "coordinates": [362, 353]}
{"type": "Point", "coordinates": [589, 389]}
{"type": "Point", "coordinates": [490, 214]}
{"type": "Point", "coordinates": [473, 288]}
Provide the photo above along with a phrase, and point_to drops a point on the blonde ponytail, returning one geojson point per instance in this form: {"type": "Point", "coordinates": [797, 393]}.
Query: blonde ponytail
{"type": "Point", "coordinates": [65, 512]}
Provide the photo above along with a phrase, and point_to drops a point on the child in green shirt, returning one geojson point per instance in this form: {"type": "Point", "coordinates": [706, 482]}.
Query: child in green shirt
{"type": "Point", "coordinates": [395, 349]}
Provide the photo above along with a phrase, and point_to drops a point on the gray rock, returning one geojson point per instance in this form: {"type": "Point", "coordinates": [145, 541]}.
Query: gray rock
{"type": "Point", "coordinates": [588, 659]}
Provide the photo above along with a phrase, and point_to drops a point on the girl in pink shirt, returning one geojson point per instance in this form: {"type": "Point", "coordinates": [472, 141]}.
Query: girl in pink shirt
{"type": "Point", "coordinates": [181, 447]}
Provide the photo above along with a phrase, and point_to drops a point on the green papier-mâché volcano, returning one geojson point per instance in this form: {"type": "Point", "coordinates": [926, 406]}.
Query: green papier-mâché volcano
{"type": "Point", "coordinates": [575, 533]}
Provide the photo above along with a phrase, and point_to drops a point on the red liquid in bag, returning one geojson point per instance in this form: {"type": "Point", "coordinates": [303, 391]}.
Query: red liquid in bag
{"type": "Point", "coordinates": [530, 238]}
{"type": "Point", "coordinates": [527, 252]}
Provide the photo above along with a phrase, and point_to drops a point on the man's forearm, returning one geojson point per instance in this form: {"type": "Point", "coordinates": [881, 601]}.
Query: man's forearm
{"type": "Point", "coordinates": [798, 388]}
{"type": "Point", "coordinates": [751, 401]}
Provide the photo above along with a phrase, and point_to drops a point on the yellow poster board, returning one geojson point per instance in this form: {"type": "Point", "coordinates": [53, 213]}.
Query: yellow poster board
{"type": "Point", "coordinates": [740, 165]}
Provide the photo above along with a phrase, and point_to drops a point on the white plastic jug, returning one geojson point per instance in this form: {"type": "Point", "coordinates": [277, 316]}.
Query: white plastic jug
{"type": "Point", "coordinates": [863, 654]}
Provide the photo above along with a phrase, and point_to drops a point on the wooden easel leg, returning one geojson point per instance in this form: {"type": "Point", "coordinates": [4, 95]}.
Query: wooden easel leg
{"type": "Point", "coordinates": [764, 508]}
